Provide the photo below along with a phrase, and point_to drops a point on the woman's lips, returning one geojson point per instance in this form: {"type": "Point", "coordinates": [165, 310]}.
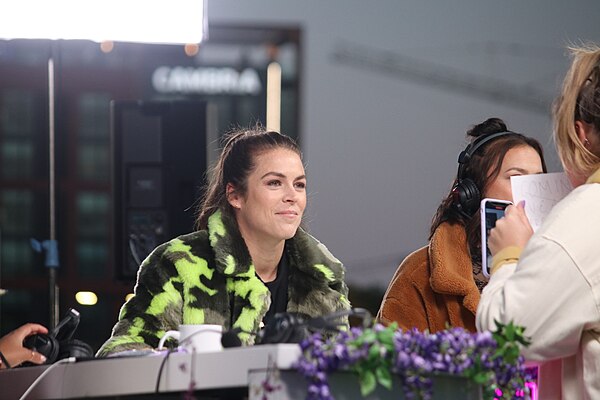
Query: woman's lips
{"type": "Point", "coordinates": [288, 214]}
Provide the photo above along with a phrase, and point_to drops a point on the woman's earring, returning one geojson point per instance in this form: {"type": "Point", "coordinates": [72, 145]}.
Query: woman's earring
{"type": "Point", "coordinates": [586, 143]}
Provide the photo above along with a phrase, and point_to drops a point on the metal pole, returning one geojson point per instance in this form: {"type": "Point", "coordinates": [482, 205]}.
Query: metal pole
{"type": "Point", "coordinates": [53, 288]}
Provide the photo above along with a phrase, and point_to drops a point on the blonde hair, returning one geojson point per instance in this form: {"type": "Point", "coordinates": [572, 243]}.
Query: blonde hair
{"type": "Point", "coordinates": [568, 108]}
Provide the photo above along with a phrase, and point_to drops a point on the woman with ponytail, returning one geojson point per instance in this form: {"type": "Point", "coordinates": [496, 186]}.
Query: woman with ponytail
{"type": "Point", "coordinates": [248, 260]}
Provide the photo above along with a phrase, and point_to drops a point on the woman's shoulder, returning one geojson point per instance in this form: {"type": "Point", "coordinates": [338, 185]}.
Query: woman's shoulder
{"type": "Point", "coordinates": [448, 234]}
{"type": "Point", "coordinates": [195, 243]}
{"type": "Point", "coordinates": [414, 267]}
{"type": "Point", "coordinates": [312, 252]}
{"type": "Point", "coordinates": [193, 237]}
{"type": "Point", "coordinates": [408, 284]}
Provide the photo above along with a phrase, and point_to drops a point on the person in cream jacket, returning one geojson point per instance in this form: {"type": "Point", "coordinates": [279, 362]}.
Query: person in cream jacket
{"type": "Point", "coordinates": [549, 282]}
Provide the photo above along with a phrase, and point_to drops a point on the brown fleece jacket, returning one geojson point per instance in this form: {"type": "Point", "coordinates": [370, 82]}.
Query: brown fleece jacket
{"type": "Point", "coordinates": [433, 287]}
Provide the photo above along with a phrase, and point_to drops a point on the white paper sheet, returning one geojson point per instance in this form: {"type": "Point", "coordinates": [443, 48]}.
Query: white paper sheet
{"type": "Point", "coordinates": [540, 192]}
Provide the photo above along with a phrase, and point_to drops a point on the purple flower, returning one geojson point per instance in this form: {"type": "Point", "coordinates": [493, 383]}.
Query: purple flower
{"type": "Point", "coordinates": [414, 357]}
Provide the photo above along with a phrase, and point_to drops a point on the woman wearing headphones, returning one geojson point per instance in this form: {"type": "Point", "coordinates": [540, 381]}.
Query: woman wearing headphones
{"type": "Point", "coordinates": [248, 260]}
{"type": "Point", "coordinates": [439, 285]}
{"type": "Point", "coordinates": [552, 287]}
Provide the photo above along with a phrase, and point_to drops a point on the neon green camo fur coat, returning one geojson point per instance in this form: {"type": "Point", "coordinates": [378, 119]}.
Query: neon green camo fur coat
{"type": "Point", "coordinates": [207, 277]}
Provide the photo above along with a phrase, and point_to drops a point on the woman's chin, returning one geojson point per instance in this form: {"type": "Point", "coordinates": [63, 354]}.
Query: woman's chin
{"type": "Point", "coordinates": [289, 232]}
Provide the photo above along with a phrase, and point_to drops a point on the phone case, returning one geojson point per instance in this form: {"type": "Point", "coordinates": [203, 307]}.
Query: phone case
{"type": "Point", "coordinates": [486, 258]}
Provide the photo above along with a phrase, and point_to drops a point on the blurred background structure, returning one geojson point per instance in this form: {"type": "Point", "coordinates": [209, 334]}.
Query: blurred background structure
{"type": "Point", "coordinates": [379, 95]}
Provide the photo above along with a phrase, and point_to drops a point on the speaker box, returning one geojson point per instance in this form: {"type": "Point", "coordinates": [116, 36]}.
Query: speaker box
{"type": "Point", "coordinates": [159, 161]}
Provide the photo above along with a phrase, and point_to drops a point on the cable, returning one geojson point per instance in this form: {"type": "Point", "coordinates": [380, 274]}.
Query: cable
{"type": "Point", "coordinates": [229, 342]}
{"type": "Point", "coordinates": [160, 370]}
{"type": "Point", "coordinates": [324, 322]}
{"type": "Point", "coordinates": [43, 374]}
{"type": "Point", "coordinates": [133, 250]}
{"type": "Point", "coordinates": [189, 338]}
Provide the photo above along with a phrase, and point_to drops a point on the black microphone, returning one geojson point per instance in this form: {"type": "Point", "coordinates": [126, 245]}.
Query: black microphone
{"type": "Point", "coordinates": [230, 338]}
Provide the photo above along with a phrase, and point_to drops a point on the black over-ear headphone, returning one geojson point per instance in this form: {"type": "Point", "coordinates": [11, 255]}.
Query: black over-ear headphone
{"type": "Point", "coordinates": [58, 343]}
{"type": "Point", "coordinates": [295, 327]}
{"type": "Point", "coordinates": [289, 327]}
{"type": "Point", "coordinates": [466, 196]}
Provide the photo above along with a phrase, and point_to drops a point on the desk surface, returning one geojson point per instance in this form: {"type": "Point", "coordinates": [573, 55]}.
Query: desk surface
{"type": "Point", "coordinates": [123, 376]}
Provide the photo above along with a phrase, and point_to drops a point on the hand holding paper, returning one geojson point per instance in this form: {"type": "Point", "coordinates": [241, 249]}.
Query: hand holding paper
{"type": "Point", "coordinates": [541, 192]}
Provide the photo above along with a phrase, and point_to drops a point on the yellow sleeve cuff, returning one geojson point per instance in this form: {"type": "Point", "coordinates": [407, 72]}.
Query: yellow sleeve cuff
{"type": "Point", "coordinates": [508, 255]}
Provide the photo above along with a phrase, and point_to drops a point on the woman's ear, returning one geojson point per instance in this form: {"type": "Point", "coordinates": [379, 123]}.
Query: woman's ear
{"type": "Point", "coordinates": [589, 137]}
{"type": "Point", "coordinates": [583, 131]}
{"type": "Point", "coordinates": [232, 196]}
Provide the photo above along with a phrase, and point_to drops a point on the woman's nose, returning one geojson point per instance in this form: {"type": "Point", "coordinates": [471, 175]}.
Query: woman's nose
{"type": "Point", "coordinates": [290, 195]}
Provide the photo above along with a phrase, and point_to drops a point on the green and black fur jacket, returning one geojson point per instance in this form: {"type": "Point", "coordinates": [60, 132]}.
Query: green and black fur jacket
{"type": "Point", "coordinates": [207, 277]}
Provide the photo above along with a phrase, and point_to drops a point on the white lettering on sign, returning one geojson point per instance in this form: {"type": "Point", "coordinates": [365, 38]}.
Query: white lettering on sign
{"type": "Point", "coordinates": [206, 80]}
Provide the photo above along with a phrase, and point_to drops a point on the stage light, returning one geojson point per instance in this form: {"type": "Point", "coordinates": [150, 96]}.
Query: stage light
{"type": "Point", "coordinates": [191, 49]}
{"type": "Point", "coordinates": [139, 21]}
{"type": "Point", "coordinates": [144, 21]}
{"type": "Point", "coordinates": [107, 46]}
{"type": "Point", "coordinates": [86, 298]}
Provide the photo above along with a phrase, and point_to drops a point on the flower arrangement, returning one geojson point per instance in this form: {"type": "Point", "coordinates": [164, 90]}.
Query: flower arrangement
{"type": "Point", "coordinates": [375, 354]}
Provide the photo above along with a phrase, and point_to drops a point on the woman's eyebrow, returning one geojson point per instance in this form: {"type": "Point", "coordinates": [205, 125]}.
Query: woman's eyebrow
{"type": "Point", "coordinates": [280, 175]}
{"type": "Point", "coordinates": [518, 169]}
{"type": "Point", "coordinates": [277, 174]}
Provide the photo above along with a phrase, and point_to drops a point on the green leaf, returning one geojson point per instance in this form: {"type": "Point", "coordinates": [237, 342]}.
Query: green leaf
{"type": "Point", "coordinates": [511, 354]}
{"type": "Point", "coordinates": [510, 332]}
{"type": "Point", "coordinates": [374, 353]}
{"type": "Point", "coordinates": [386, 338]}
{"type": "Point", "coordinates": [384, 376]}
{"type": "Point", "coordinates": [367, 381]}
{"type": "Point", "coordinates": [368, 336]}
{"type": "Point", "coordinates": [481, 377]}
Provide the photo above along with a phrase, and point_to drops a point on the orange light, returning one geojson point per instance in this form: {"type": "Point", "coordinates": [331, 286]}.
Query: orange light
{"type": "Point", "coordinates": [107, 46]}
{"type": "Point", "coordinates": [191, 49]}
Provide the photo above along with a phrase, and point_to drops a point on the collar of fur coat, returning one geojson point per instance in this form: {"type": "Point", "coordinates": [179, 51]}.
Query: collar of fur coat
{"type": "Point", "coordinates": [451, 265]}
{"type": "Point", "coordinates": [306, 253]}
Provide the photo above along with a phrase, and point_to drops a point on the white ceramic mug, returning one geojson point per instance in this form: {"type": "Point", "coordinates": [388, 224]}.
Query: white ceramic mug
{"type": "Point", "coordinates": [202, 338]}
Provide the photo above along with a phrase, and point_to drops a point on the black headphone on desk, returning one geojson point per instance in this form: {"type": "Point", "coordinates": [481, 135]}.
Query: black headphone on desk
{"type": "Point", "coordinates": [289, 327]}
{"type": "Point", "coordinates": [295, 327]}
{"type": "Point", "coordinates": [285, 328]}
{"type": "Point", "coordinates": [59, 343]}
{"type": "Point", "coordinates": [466, 196]}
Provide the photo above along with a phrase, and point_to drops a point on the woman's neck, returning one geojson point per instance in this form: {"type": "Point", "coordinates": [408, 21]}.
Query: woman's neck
{"type": "Point", "coordinates": [265, 258]}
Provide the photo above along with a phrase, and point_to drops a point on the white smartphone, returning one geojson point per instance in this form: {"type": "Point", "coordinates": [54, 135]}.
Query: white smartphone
{"type": "Point", "coordinates": [491, 210]}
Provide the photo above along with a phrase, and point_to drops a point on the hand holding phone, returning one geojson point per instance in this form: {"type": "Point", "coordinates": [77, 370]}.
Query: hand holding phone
{"type": "Point", "coordinates": [491, 210]}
